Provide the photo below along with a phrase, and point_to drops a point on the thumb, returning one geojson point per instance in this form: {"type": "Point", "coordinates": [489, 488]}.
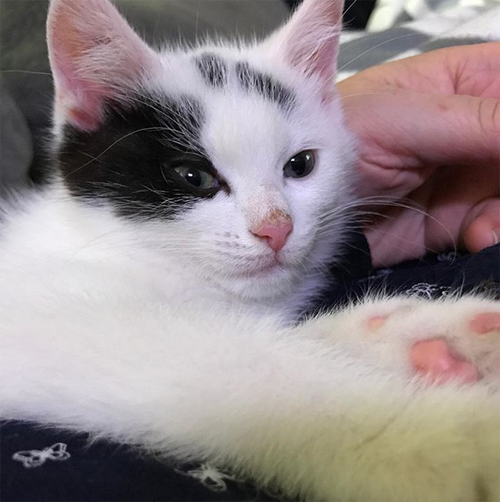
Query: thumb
{"type": "Point", "coordinates": [481, 227]}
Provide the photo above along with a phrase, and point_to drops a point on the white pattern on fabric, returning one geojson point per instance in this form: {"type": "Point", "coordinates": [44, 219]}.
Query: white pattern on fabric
{"type": "Point", "coordinates": [35, 458]}
{"type": "Point", "coordinates": [449, 257]}
{"type": "Point", "coordinates": [428, 291]}
{"type": "Point", "coordinates": [210, 477]}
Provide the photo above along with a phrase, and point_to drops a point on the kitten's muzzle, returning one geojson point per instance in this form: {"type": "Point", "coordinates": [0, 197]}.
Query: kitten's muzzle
{"type": "Point", "coordinates": [274, 229]}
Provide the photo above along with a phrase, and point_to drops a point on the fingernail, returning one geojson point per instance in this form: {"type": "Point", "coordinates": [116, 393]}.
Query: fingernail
{"type": "Point", "coordinates": [495, 237]}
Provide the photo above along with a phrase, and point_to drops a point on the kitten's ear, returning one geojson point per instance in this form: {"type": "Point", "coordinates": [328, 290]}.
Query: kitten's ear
{"type": "Point", "coordinates": [310, 40]}
{"type": "Point", "coordinates": [95, 55]}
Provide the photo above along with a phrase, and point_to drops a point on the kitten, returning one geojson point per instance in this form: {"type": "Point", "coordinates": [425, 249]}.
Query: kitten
{"type": "Point", "coordinates": [151, 291]}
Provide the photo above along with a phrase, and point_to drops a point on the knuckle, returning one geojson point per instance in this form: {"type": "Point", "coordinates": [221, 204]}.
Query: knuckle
{"type": "Point", "coordinates": [489, 116]}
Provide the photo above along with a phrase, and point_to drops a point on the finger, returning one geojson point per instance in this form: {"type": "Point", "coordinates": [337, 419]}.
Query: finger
{"type": "Point", "coordinates": [481, 227]}
{"type": "Point", "coordinates": [474, 130]}
{"type": "Point", "coordinates": [423, 130]}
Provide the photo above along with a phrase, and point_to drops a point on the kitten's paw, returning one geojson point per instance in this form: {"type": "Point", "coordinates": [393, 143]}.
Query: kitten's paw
{"type": "Point", "coordinates": [443, 340]}
{"type": "Point", "coordinates": [435, 359]}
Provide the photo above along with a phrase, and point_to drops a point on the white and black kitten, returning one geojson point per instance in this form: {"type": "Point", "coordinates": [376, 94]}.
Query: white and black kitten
{"type": "Point", "coordinates": [149, 294]}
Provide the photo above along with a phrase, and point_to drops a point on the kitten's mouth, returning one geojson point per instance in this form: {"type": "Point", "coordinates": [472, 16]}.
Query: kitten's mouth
{"type": "Point", "coordinates": [263, 270]}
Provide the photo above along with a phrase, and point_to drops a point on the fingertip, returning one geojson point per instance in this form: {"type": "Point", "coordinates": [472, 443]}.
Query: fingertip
{"type": "Point", "coordinates": [483, 232]}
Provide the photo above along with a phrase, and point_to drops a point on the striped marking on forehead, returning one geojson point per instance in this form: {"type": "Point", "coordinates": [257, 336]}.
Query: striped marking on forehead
{"type": "Point", "coordinates": [215, 73]}
{"type": "Point", "coordinates": [213, 69]}
{"type": "Point", "coordinates": [254, 81]}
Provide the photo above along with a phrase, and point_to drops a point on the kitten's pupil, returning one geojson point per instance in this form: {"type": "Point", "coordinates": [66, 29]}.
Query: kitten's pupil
{"type": "Point", "coordinates": [194, 177]}
{"type": "Point", "coordinates": [198, 178]}
{"type": "Point", "coordinates": [300, 165]}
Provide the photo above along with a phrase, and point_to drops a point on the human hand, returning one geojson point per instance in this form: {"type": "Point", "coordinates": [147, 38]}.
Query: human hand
{"type": "Point", "coordinates": [429, 129]}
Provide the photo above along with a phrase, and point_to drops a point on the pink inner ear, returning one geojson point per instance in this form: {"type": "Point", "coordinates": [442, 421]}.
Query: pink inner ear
{"type": "Point", "coordinates": [95, 55]}
{"type": "Point", "coordinates": [311, 37]}
{"type": "Point", "coordinates": [87, 117]}
{"type": "Point", "coordinates": [321, 60]}
{"type": "Point", "coordinates": [81, 100]}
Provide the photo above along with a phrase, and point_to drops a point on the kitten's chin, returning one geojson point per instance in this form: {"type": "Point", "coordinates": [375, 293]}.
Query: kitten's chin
{"type": "Point", "coordinates": [269, 282]}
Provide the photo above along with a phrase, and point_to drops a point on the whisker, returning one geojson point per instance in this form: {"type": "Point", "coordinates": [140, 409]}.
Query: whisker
{"type": "Point", "coordinates": [27, 72]}
{"type": "Point", "coordinates": [375, 47]}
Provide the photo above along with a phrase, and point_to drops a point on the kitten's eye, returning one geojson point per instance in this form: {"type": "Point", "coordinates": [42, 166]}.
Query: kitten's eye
{"type": "Point", "coordinates": [202, 180]}
{"type": "Point", "coordinates": [300, 165]}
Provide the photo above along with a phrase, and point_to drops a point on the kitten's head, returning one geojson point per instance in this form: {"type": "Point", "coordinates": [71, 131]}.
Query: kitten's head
{"type": "Point", "coordinates": [228, 158]}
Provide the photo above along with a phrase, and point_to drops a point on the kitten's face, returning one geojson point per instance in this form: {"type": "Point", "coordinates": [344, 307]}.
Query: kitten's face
{"type": "Point", "coordinates": [228, 159]}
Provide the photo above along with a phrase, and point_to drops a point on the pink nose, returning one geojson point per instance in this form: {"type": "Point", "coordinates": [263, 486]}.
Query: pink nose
{"type": "Point", "coordinates": [275, 233]}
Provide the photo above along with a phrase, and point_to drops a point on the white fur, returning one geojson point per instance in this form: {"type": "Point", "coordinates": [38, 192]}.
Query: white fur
{"type": "Point", "coordinates": [166, 335]}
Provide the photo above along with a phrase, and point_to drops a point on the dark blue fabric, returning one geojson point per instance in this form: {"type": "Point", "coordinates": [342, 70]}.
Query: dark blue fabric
{"type": "Point", "coordinates": [431, 277]}
{"type": "Point", "coordinates": [100, 471]}
{"type": "Point", "coordinates": [105, 471]}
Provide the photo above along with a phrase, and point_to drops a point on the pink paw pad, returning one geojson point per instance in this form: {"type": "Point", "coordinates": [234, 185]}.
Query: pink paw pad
{"type": "Point", "coordinates": [376, 322]}
{"type": "Point", "coordinates": [485, 323]}
{"type": "Point", "coordinates": [435, 359]}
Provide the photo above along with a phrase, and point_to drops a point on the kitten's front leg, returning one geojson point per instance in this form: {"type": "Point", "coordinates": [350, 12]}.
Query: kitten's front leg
{"type": "Point", "coordinates": [362, 427]}
{"type": "Point", "coordinates": [447, 437]}
{"type": "Point", "coordinates": [380, 438]}
{"type": "Point", "coordinates": [313, 419]}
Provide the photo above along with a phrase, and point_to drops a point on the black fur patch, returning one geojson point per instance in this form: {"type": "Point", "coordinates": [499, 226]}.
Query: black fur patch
{"type": "Point", "coordinates": [213, 69]}
{"type": "Point", "coordinates": [255, 81]}
{"type": "Point", "coordinates": [128, 161]}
